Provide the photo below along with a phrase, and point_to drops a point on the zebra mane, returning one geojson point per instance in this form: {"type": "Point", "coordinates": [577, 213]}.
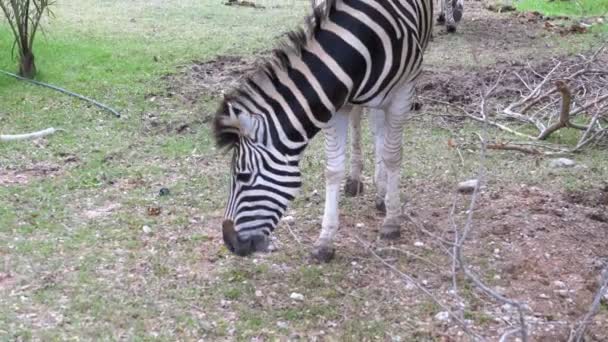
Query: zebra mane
{"type": "Point", "coordinates": [225, 130]}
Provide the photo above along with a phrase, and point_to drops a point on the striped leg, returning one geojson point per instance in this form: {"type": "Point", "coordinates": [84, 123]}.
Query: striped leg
{"type": "Point", "coordinates": [335, 150]}
{"type": "Point", "coordinates": [395, 118]}
{"type": "Point", "coordinates": [377, 118]}
{"type": "Point", "coordinates": [354, 185]}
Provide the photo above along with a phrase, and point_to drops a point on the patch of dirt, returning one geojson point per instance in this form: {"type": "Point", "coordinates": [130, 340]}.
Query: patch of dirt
{"type": "Point", "coordinates": [529, 244]}
{"type": "Point", "coordinates": [103, 211]}
{"type": "Point", "coordinates": [210, 78]}
{"type": "Point", "coordinates": [24, 176]}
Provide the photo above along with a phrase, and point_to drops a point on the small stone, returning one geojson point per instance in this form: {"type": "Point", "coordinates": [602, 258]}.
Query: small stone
{"type": "Point", "coordinates": [296, 296]}
{"type": "Point", "coordinates": [360, 225]}
{"type": "Point", "coordinates": [543, 296]}
{"type": "Point", "coordinates": [282, 325]}
{"type": "Point", "coordinates": [561, 163]}
{"type": "Point", "coordinates": [164, 192]}
{"type": "Point", "coordinates": [258, 293]}
{"type": "Point", "coordinates": [147, 229]}
{"type": "Point", "coordinates": [205, 326]}
{"type": "Point", "coordinates": [224, 303]}
{"type": "Point", "coordinates": [468, 186]}
{"type": "Point", "coordinates": [442, 316]}
{"type": "Point", "coordinates": [559, 284]}
{"type": "Point", "coordinates": [562, 293]}
{"type": "Point", "coordinates": [289, 219]}
{"type": "Point", "coordinates": [419, 244]}
{"type": "Point", "coordinates": [507, 307]}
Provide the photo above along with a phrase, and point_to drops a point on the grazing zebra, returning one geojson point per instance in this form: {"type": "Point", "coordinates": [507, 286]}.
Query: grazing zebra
{"type": "Point", "coordinates": [450, 13]}
{"type": "Point", "coordinates": [358, 53]}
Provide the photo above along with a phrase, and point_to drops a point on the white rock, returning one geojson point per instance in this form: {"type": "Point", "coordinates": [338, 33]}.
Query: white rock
{"type": "Point", "coordinates": [561, 163]}
{"type": "Point", "coordinates": [146, 229]}
{"type": "Point", "coordinates": [289, 219]}
{"type": "Point", "coordinates": [543, 296]}
{"type": "Point", "coordinates": [468, 186]}
{"type": "Point", "coordinates": [258, 293]}
{"type": "Point", "coordinates": [419, 244]}
{"type": "Point", "coordinates": [442, 316]}
{"type": "Point", "coordinates": [296, 296]}
{"type": "Point", "coordinates": [282, 325]}
{"type": "Point", "coordinates": [562, 293]}
{"type": "Point", "coordinates": [360, 225]}
{"type": "Point", "coordinates": [559, 284]}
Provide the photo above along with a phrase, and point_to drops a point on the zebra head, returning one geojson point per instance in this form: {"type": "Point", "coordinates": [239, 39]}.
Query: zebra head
{"type": "Point", "coordinates": [263, 179]}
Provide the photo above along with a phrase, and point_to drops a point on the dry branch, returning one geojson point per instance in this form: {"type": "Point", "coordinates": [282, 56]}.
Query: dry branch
{"type": "Point", "coordinates": [577, 334]}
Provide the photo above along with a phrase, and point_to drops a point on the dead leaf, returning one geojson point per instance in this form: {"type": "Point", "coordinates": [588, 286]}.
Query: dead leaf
{"type": "Point", "coordinates": [154, 211]}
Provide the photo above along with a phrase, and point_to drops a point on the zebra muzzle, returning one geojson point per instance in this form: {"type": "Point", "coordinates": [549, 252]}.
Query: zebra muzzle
{"type": "Point", "coordinates": [240, 246]}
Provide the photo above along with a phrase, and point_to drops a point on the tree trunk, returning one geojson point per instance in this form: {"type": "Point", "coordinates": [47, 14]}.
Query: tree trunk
{"type": "Point", "coordinates": [27, 67]}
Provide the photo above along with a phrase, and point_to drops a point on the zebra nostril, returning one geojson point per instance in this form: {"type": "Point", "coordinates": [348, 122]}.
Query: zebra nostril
{"type": "Point", "coordinates": [229, 235]}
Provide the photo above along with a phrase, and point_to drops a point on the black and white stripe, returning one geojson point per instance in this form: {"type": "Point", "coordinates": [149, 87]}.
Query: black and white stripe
{"type": "Point", "coordinates": [355, 52]}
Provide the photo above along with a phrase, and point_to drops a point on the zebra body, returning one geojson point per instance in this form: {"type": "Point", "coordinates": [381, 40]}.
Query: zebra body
{"type": "Point", "coordinates": [357, 53]}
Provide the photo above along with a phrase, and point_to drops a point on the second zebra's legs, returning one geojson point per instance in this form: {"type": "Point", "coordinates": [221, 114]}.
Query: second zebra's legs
{"type": "Point", "coordinates": [394, 119]}
{"type": "Point", "coordinates": [441, 16]}
{"type": "Point", "coordinates": [335, 148]}
{"type": "Point", "coordinates": [354, 185]}
{"type": "Point", "coordinates": [450, 13]}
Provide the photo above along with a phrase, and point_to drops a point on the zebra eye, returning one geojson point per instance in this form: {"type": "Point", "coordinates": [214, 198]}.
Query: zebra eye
{"type": "Point", "coordinates": [244, 177]}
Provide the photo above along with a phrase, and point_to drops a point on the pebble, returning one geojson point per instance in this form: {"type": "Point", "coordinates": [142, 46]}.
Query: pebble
{"type": "Point", "coordinates": [559, 284]}
{"type": "Point", "coordinates": [468, 186]}
{"type": "Point", "coordinates": [289, 219]}
{"type": "Point", "coordinates": [561, 163]}
{"type": "Point", "coordinates": [442, 316]}
{"type": "Point", "coordinates": [146, 229]}
{"type": "Point", "coordinates": [419, 244]}
{"type": "Point", "coordinates": [360, 225]}
{"type": "Point", "coordinates": [296, 296]}
{"type": "Point", "coordinates": [543, 296]}
{"type": "Point", "coordinates": [562, 293]}
{"type": "Point", "coordinates": [258, 293]}
{"type": "Point", "coordinates": [282, 325]}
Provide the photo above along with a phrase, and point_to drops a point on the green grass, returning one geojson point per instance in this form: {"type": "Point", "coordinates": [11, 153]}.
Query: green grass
{"type": "Point", "coordinates": [583, 8]}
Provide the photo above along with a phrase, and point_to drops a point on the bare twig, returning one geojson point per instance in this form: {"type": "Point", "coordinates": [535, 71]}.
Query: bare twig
{"type": "Point", "coordinates": [458, 248]}
{"type": "Point", "coordinates": [410, 279]}
{"type": "Point", "coordinates": [577, 334]}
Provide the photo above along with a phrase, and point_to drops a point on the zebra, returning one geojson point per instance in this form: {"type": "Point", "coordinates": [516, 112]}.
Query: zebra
{"type": "Point", "coordinates": [358, 53]}
{"type": "Point", "coordinates": [450, 13]}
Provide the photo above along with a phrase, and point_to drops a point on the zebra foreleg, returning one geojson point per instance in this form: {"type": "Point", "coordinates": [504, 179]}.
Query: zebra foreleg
{"type": "Point", "coordinates": [335, 151]}
{"type": "Point", "coordinates": [354, 185]}
{"type": "Point", "coordinates": [377, 118]}
{"type": "Point", "coordinates": [395, 118]}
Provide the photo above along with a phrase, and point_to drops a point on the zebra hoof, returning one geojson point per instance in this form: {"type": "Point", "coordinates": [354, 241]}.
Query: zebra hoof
{"type": "Point", "coordinates": [380, 206]}
{"type": "Point", "coordinates": [451, 28]}
{"type": "Point", "coordinates": [322, 254]}
{"type": "Point", "coordinates": [353, 187]}
{"type": "Point", "coordinates": [441, 19]}
{"type": "Point", "coordinates": [390, 232]}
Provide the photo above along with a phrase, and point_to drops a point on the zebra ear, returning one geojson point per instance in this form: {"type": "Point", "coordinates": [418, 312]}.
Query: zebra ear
{"type": "Point", "coordinates": [238, 122]}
